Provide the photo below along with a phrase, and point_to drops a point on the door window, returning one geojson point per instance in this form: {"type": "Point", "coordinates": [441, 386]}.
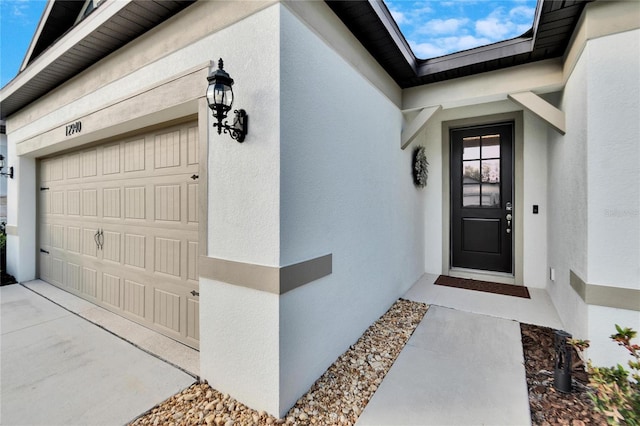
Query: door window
{"type": "Point", "coordinates": [481, 171]}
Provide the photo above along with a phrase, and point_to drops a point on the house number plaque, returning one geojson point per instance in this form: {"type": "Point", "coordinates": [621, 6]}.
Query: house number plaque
{"type": "Point", "coordinates": [73, 128]}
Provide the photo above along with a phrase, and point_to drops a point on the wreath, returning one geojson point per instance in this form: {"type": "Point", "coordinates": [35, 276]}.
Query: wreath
{"type": "Point", "coordinates": [420, 167]}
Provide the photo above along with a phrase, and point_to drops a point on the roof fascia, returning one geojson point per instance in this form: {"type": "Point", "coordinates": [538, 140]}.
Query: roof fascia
{"type": "Point", "coordinates": [499, 50]}
{"type": "Point", "coordinates": [34, 40]}
{"type": "Point", "coordinates": [392, 28]}
{"type": "Point", "coordinates": [536, 20]}
{"type": "Point", "coordinates": [67, 42]}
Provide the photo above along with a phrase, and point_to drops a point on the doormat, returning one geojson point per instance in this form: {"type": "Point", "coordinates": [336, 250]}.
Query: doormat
{"type": "Point", "coordinates": [486, 286]}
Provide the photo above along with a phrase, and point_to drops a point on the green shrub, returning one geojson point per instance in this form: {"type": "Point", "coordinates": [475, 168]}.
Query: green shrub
{"type": "Point", "coordinates": [616, 390]}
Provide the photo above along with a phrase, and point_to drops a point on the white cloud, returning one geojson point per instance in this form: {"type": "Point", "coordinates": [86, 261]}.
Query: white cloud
{"type": "Point", "coordinates": [493, 28]}
{"type": "Point", "coordinates": [19, 13]}
{"type": "Point", "coordinates": [398, 16]}
{"type": "Point", "coordinates": [466, 42]}
{"type": "Point", "coordinates": [405, 13]}
{"type": "Point", "coordinates": [422, 10]}
{"type": "Point", "coordinates": [443, 26]}
{"type": "Point", "coordinates": [19, 8]}
{"type": "Point", "coordinates": [522, 13]}
{"type": "Point", "coordinates": [500, 25]}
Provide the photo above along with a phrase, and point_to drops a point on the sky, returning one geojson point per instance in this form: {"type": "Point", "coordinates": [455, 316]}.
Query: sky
{"type": "Point", "coordinates": [435, 28]}
{"type": "Point", "coordinates": [18, 22]}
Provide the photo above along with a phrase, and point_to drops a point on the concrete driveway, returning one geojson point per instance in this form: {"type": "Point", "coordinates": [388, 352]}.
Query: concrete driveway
{"type": "Point", "coordinates": [60, 369]}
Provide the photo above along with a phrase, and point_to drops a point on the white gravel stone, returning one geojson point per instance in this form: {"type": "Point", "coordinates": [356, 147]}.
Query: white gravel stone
{"type": "Point", "coordinates": [337, 397]}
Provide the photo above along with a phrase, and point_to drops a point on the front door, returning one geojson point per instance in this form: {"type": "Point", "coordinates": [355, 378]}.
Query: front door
{"type": "Point", "coordinates": [482, 198]}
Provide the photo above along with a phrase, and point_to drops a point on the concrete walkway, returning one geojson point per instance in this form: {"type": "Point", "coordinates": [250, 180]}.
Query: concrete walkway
{"type": "Point", "coordinates": [60, 369]}
{"type": "Point", "coordinates": [458, 368]}
{"type": "Point", "coordinates": [464, 363]}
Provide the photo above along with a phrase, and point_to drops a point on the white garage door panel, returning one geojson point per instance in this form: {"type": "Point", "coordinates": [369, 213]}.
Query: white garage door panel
{"type": "Point", "coordinates": [119, 227]}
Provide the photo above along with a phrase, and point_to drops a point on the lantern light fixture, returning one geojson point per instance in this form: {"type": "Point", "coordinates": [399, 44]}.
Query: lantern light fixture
{"type": "Point", "coordinates": [10, 173]}
{"type": "Point", "coordinates": [220, 100]}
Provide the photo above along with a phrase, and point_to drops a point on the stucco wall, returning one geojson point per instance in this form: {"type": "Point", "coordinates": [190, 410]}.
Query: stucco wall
{"type": "Point", "coordinates": [534, 235]}
{"type": "Point", "coordinates": [346, 189]}
{"type": "Point", "coordinates": [21, 213]}
{"type": "Point", "coordinates": [614, 183]}
{"type": "Point", "coordinates": [614, 160]}
{"type": "Point", "coordinates": [567, 195]}
{"type": "Point", "coordinates": [594, 190]}
{"type": "Point", "coordinates": [602, 319]}
{"type": "Point", "coordinates": [239, 350]}
{"type": "Point", "coordinates": [239, 333]}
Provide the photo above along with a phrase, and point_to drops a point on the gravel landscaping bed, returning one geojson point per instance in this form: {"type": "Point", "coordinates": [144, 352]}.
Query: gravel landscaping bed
{"type": "Point", "coordinates": [336, 398]}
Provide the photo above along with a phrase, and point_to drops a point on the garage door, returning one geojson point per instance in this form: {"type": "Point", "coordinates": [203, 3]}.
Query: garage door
{"type": "Point", "coordinates": [119, 227]}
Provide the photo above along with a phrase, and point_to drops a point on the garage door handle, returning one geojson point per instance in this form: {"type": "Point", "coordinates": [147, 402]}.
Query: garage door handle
{"type": "Point", "coordinates": [194, 177]}
{"type": "Point", "coordinates": [194, 293]}
{"type": "Point", "coordinates": [98, 237]}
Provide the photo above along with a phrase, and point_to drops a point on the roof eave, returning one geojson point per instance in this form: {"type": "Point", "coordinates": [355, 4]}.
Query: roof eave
{"type": "Point", "coordinates": [43, 20]}
{"type": "Point", "coordinates": [379, 34]}
{"type": "Point", "coordinates": [69, 55]}
{"type": "Point", "coordinates": [56, 51]}
{"type": "Point", "coordinates": [491, 52]}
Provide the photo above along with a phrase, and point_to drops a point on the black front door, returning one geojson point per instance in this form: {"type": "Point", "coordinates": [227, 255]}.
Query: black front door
{"type": "Point", "coordinates": [482, 197]}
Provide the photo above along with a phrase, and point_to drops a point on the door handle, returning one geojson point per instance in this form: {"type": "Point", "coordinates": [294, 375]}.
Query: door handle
{"type": "Point", "coordinates": [98, 237]}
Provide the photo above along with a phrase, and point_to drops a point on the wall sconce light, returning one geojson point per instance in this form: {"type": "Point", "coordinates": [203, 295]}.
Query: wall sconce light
{"type": "Point", "coordinates": [220, 99]}
{"type": "Point", "coordinates": [10, 174]}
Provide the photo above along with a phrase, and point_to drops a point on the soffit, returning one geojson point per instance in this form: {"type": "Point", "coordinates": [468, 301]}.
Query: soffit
{"type": "Point", "coordinates": [57, 20]}
{"type": "Point", "coordinates": [130, 21]}
{"type": "Point", "coordinates": [371, 22]}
